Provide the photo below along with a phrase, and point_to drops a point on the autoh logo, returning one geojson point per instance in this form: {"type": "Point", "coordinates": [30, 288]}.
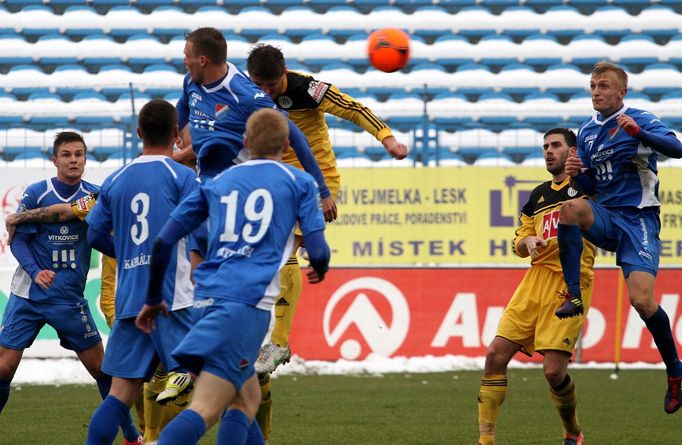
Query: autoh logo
{"type": "Point", "coordinates": [383, 339]}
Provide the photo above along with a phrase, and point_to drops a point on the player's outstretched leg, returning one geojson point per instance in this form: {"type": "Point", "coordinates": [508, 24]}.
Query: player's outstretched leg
{"type": "Point", "coordinates": [659, 326]}
{"type": "Point", "coordinates": [570, 250]}
{"type": "Point", "coordinates": [490, 397]}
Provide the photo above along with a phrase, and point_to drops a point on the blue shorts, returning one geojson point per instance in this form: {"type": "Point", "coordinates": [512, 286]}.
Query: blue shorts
{"type": "Point", "coordinates": [632, 233]}
{"type": "Point", "coordinates": [132, 354]}
{"type": "Point", "coordinates": [72, 320]}
{"type": "Point", "coordinates": [225, 341]}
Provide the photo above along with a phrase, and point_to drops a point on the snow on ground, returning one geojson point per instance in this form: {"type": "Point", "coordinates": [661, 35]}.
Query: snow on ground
{"type": "Point", "coordinates": [57, 371]}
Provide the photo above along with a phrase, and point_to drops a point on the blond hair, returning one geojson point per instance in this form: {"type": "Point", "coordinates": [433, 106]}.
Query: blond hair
{"type": "Point", "coordinates": [602, 68]}
{"type": "Point", "coordinates": [267, 131]}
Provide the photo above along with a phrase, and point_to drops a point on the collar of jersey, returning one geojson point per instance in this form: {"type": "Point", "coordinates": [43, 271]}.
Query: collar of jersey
{"type": "Point", "coordinates": [215, 86]}
{"type": "Point", "coordinates": [615, 115]}
{"type": "Point", "coordinates": [560, 185]}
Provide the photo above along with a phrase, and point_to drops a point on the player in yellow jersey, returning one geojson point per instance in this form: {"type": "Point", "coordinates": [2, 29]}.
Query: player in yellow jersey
{"type": "Point", "coordinates": [151, 415]}
{"type": "Point", "coordinates": [306, 100]}
{"type": "Point", "coordinates": [528, 323]}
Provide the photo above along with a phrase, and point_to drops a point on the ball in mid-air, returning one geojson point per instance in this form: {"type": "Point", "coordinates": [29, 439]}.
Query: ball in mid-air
{"type": "Point", "coordinates": [388, 49]}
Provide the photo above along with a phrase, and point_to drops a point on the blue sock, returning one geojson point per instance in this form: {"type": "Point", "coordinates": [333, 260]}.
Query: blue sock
{"type": "Point", "coordinates": [234, 428]}
{"type": "Point", "coordinates": [570, 250]}
{"type": "Point", "coordinates": [105, 421]}
{"type": "Point", "coordinates": [4, 393]}
{"type": "Point", "coordinates": [255, 435]}
{"type": "Point", "coordinates": [186, 429]}
{"type": "Point", "coordinates": [659, 326]}
{"type": "Point", "coordinates": [128, 427]}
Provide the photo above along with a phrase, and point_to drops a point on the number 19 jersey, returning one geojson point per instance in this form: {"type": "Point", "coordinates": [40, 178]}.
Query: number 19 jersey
{"type": "Point", "coordinates": [135, 203]}
{"type": "Point", "coordinates": [252, 209]}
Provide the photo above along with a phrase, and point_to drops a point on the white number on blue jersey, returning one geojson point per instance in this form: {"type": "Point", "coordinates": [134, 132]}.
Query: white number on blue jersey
{"type": "Point", "coordinates": [139, 205]}
{"type": "Point", "coordinates": [262, 216]}
{"type": "Point", "coordinates": [604, 171]}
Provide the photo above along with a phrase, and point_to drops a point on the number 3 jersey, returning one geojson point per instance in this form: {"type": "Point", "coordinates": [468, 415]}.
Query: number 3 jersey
{"type": "Point", "coordinates": [624, 167]}
{"type": "Point", "coordinates": [134, 204]}
{"type": "Point", "coordinates": [60, 247]}
{"type": "Point", "coordinates": [252, 210]}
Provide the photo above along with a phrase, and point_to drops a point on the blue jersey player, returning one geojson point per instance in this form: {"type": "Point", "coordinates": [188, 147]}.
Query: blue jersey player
{"type": "Point", "coordinates": [252, 209]}
{"type": "Point", "coordinates": [134, 203]}
{"type": "Point", "coordinates": [217, 99]}
{"type": "Point", "coordinates": [616, 162]}
{"type": "Point", "coordinates": [48, 285]}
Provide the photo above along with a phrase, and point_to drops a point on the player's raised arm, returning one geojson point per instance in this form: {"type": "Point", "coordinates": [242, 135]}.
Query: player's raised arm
{"type": "Point", "coordinates": [664, 142]}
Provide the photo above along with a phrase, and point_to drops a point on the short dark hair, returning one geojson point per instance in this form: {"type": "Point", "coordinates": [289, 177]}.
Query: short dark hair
{"type": "Point", "coordinates": [64, 137]}
{"type": "Point", "coordinates": [265, 62]}
{"type": "Point", "coordinates": [157, 120]}
{"type": "Point", "coordinates": [569, 135]}
{"type": "Point", "coordinates": [604, 67]}
{"type": "Point", "coordinates": [208, 42]}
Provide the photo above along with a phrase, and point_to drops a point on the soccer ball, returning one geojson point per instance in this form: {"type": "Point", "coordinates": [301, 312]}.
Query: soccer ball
{"type": "Point", "coordinates": [388, 49]}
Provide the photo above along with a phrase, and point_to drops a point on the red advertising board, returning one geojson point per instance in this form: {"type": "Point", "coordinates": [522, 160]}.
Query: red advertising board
{"type": "Point", "coordinates": [419, 312]}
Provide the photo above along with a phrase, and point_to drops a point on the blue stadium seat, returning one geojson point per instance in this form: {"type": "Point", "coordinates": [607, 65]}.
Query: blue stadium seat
{"type": "Point", "coordinates": [542, 5]}
{"type": "Point", "coordinates": [21, 52]}
{"type": "Point", "coordinates": [612, 13]}
{"type": "Point", "coordinates": [110, 71]}
{"type": "Point", "coordinates": [29, 28]}
{"type": "Point", "coordinates": [25, 72]}
{"type": "Point", "coordinates": [148, 57]}
{"type": "Point", "coordinates": [581, 59]}
{"type": "Point", "coordinates": [375, 153]}
{"type": "Point", "coordinates": [473, 69]}
{"type": "Point", "coordinates": [476, 32]}
{"type": "Point", "coordinates": [494, 158]}
{"type": "Point", "coordinates": [647, 43]}
{"type": "Point", "coordinates": [470, 154]}
{"type": "Point", "coordinates": [61, 56]}
{"type": "Point", "coordinates": [497, 120]}
{"type": "Point", "coordinates": [567, 88]}
{"type": "Point", "coordinates": [524, 71]}
{"type": "Point", "coordinates": [427, 31]}
{"type": "Point", "coordinates": [73, 72]}
{"type": "Point", "coordinates": [663, 12]}
{"type": "Point", "coordinates": [121, 28]}
{"type": "Point", "coordinates": [675, 58]}
{"type": "Point", "coordinates": [175, 30]}
{"type": "Point", "coordinates": [14, 3]}
{"type": "Point", "coordinates": [315, 58]}
{"type": "Point", "coordinates": [44, 115]}
{"type": "Point", "coordinates": [663, 88]}
{"type": "Point", "coordinates": [425, 71]}
{"type": "Point", "coordinates": [92, 115]}
{"type": "Point", "coordinates": [97, 3]}
{"type": "Point", "coordinates": [413, 3]}
{"type": "Point", "coordinates": [344, 31]}
{"type": "Point", "coordinates": [153, 3]}
{"type": "Point", "coordinates": [102, 57]}
{"type": "Point", "coordinates": [456, 4]}
{"type": "Point", "coordinates": [6, 104]}
{"type": "Point", "coordinates": [516, 14]}
{"type": "Point", "coordinates": [588, 5]}
{"type": "Point", "coordinates": [85, 15]}
{"type": "Point", "coordinates": [500, 3]}
{"type": "Point", "coordinates": [566, 12]}
{"type": "Point", "coordinates": [287, 3]}
{"type": "Point", "coordinates": [445, 57]}
{"type": "Point", "coordinates": [26, 153]}
{"type": "Point", "coordinates": [159, 90]}
{"type": "Point", "coordinates": [256, 32]}
{"type": "Point", "coordinates": [500, 57]}
{"type": "Point", "coordinates": [545, 60]}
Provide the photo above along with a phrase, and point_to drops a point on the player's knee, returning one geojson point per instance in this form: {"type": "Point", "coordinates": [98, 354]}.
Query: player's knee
{"type": "Point", "coordinates": [495, 361]}
{"type": "Point", "coordinates": [555, 374]}
{"type": "Point", "coordinates": [7, 370]}
{"type": "Point", "coordinates": [644, 306]}
{"type": "Point", "coordinates": [570, 211]}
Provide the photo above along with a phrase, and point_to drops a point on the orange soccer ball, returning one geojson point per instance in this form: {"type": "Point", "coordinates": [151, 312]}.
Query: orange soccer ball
{"type": "Point", "coordinates": [388, 49]}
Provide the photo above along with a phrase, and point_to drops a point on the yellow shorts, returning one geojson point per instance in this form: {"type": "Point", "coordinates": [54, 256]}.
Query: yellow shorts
{"type": "Point", "coordinates": [333, 180]}
{"type": "Point", "coordinates": [529, 319]}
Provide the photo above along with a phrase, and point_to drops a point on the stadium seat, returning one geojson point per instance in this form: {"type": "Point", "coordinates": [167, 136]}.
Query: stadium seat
{"type": "Point", "coordinates": [114, 80]}
{"type": "Point", "coordinates": [588, 49]}
{"type": "Point", "coordinates": [91, 109]}
{"type": "Point", "coordinates": [428, 78]}
{"type": "Point", "coordinates": [541, 50]}
{"type": "Point", "coordinates": [451, 50]}
{"type": "Point", "coordinates": [432, 22]}
{"type": "Point", "coordinates": [541, 111]}
{"type": "Point", "coordinates": [172, 20]}
{"type": "Point", "coordinates": [72, 79]}
{"type": "Point", "coordinates": [498, 110]}
{"type": "Point", "coordinates": [301, 21]}
{"type": "Point", "coordinates": [80, 21]}
{"type": "Point", "coordinates": [343, 22]}
{"type": "Point", "coordinates": [15, 50]}
{"type": "Point", "coordinates": [25, 79]}
{"type": "Point", "coordinates": [494, 159]}
{"type": "Point", "coordinates": [353, 159]}
{"type": "Point", "coordinates": [36, 21]}
{"type": "Point", "coordinates": [143, 49]}
{"type": "Point", "coordinates": [496, 50]}
{"type": "Point", "coordinates": [565, 79]}
{"type": "Point", "coordinates": [671, 52]}
{"type": "Point", "coordinates": [472, 78]}
{"type": "Point", "coordinates": [446, 158]}
{"type": "Point", "coordinates": [254, 22]}
{"type": "Point", "coordinates": [159, 80]}
{"type": "Point", "coordinates": [108, 3]}
{"type": "Point", "coordinates": [474, 21]}
{"type": "Point", "coordinates": [658, 21]}
{"type": "Point", "coordinates": [637, 50]}
{"type": "Point", "coordinates": [534, 159]}
{"type": "Point", "coordinates": [55, 49]}
{"type": "Point", "coordinates": [124, 21]}
{"type": "Point", "coordinates": [45, 109]}
{"type": "Point", "coordinates": [543, 5]}
{"type": "Point", "coordinates": [450, 112]}
{"type": "Point", "coordinates": [610, 21]}
{"type": "Point", "coordinates": [658, 78]}
{"type": "Point", "coordinates": [8, 111]}
{"type": "Point", "coordinates": [99, 49]}
{"type": "Point", "coordinates": [520, 21]}
{"type": "Point", "coordinates": [518, 79]}
{"type": "Point", "coordinates": [566, 21]}
{"type": "Point", "coordinates": [20, 3]}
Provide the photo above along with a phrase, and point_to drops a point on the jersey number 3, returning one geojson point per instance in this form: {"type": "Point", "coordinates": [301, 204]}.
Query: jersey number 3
{"type": "Point", "coordinates": [139, 205]}
{"type": "Point", "coordinates": [252, 215]}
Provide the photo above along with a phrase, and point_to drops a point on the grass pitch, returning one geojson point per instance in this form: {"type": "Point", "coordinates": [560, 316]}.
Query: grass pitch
{"type": "Point", "coordinates": [394, 409]}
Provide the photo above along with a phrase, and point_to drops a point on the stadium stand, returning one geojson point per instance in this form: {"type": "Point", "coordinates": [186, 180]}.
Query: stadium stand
{"type": "Point", "coordinates": [500, 66]}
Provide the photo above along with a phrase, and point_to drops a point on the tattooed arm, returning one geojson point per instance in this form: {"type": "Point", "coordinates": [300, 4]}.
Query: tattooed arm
{"type": "Point", "coordinates": [52, 214]}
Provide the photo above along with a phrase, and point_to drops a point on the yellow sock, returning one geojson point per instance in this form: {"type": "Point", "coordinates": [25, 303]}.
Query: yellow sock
{"type": "Point", "coordinates": [565, 400]}
{"type": "Point", "coordinates": [264, 415]}
{"type": "Point", "coordinates": [490, 397]}
{"type": "Point", "coordinates": [153, 412]}
{"type": "Point", "coordinates": [173, 409]}
{"type": "Point", "coordinates": [287, 301]}
{"type": "Point", "coordinates": [139, 412]}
